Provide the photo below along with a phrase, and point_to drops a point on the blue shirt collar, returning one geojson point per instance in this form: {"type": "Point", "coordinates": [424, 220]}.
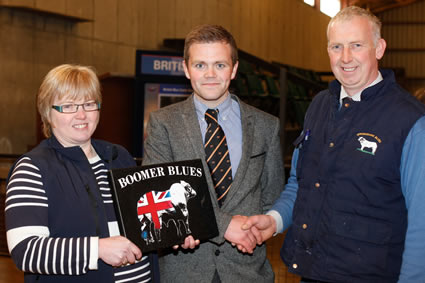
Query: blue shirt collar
{"type": "Point", "coordinates": [223, 109]}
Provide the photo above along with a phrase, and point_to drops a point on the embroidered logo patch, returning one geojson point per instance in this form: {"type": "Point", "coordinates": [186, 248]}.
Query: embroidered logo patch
{"type": "Point", "coordinates": [366, 144]}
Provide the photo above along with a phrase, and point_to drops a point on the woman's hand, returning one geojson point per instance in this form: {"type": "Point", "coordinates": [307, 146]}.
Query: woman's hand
{"type": "Point", "coordinates": [118, 251]}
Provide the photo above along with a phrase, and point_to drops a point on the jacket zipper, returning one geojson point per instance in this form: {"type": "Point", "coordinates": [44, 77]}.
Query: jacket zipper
{"type": "Point", "coordinates": [94, 207]}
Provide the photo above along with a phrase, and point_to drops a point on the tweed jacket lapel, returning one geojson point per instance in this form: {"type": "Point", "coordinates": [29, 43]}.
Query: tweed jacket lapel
{"type": "Point", "coordinates": [191, 125]}
{"type": "Point", "coordinates": [247, 142]}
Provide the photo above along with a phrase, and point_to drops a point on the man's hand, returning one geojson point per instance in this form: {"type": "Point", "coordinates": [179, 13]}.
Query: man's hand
{"type": "Point", "coordinates": [243, 239]}
{"type": "Point", "coordinates": [118, 251]}
{"type": "Point", "coordinates": [262, 227]}
{"type": "Point", "coordinates": [189, 243]}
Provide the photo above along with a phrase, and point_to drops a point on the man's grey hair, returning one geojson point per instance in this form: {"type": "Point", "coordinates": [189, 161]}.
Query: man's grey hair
{"type": "Point", "coordinates": [353, 11]}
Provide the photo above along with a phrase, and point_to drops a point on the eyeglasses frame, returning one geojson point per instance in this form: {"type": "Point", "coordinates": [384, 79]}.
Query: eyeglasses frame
{"type": "Point", "coordinates": [60, 110]}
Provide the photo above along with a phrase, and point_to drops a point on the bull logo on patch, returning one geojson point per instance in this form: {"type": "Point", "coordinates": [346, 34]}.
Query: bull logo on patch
{"type": "Point", "coordinates": [159, 209]}
{"type": "Point", "coordinates": [369, 145]}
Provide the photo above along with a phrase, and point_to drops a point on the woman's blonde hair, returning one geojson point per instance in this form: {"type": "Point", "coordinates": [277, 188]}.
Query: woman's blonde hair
{"type": "Point", "coordinates": [70, 82]}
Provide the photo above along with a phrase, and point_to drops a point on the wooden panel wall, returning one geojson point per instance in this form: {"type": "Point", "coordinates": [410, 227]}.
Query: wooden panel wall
{"type": "Point", "coordinates": [404, 31]}
{"type": "Point", "coordinates": [287, 31]}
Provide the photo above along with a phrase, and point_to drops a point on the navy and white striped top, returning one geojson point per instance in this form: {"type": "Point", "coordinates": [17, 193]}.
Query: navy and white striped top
{"type": "Point", "coordinates": [28, 234]}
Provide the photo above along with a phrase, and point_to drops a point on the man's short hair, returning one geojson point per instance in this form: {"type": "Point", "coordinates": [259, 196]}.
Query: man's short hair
{"type": "Point", "coordinates": [210, 34]}
{"type": "Point", "coordinates": [353, 11]}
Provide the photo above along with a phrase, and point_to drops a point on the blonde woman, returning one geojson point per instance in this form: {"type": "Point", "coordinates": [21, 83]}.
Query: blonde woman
{"type": "Point", "coordinates": [60, 220]}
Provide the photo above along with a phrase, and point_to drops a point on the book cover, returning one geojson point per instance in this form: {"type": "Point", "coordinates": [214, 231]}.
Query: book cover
{"type": "Point", "coordinates": [158, 206]}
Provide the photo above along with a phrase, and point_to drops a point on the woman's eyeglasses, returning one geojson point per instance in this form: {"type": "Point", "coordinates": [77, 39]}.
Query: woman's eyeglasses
{"type": "Point", "coordinates": [72, 108]}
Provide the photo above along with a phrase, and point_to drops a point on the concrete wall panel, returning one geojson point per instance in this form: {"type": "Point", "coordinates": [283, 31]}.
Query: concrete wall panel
{"type": "Point", "coordinates": [105, 20]}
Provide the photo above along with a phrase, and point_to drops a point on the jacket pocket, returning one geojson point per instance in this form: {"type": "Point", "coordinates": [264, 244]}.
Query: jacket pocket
{"type": "Point", "coordinates": [302, 144]}
{"type": "Point", "coordinates": [362, 228]}
{"type": "Point", "coordinates": [358, 244]}
{"type": "Point", "coordinates": [258, 155]}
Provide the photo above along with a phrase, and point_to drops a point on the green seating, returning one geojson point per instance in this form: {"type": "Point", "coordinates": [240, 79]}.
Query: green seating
{"type": "Point", "coordinates": [255, 85]}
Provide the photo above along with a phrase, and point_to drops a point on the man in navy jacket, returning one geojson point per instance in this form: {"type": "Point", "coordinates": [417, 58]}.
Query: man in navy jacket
{"type": "Point", "coordinates": [359, 170]}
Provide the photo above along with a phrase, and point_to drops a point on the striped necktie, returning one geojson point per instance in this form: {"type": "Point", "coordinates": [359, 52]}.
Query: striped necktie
{"type": "Point", "coordinates": [218, 158]}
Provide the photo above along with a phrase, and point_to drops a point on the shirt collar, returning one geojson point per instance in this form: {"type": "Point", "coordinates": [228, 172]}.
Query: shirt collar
{"type": "Point", "coordinates": [357, 96]}
{"type": "Point", "coordinates": [223, 108]}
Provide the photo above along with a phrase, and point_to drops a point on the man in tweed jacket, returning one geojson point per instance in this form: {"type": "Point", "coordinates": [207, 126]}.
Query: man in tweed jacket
{"type": "Point", "coordinates": [176, 133]}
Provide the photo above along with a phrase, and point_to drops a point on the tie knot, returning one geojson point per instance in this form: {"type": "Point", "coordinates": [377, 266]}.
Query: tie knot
{"type": "Point", "coordinates": [211, 116]}
{"type": "Point", "coordinates": [347, 99]}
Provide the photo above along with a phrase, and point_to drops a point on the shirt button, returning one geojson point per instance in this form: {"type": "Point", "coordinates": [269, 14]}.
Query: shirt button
{"type": "Point", "coordinates": [317, 185]}
{"type": "Point", "coordinates": [217, 252]}
{"type": "Point", "coordinates": [331, 144]}
{"type": "Point", "coordinates": [295, 266]}
{"type": "Point", "coordinates": [304, 226]}
{"type": "Point", "coordinates": [346, 105]}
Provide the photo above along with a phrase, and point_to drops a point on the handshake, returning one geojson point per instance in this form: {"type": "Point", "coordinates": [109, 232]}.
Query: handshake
{"type": "Point", "coordinates": [246, 232]}
{"type": "Point", "coordinates": [243, 232]}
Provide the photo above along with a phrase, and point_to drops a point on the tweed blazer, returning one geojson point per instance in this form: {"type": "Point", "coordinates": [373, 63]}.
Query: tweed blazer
{"type": "Point", "coordinates": [173, 134]}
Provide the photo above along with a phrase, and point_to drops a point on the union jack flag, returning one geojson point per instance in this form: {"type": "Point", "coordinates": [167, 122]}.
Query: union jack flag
{"type": "Point", "coordinates": [153, 204]}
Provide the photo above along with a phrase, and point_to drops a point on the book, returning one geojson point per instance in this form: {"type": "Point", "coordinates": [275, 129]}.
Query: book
{"type": "Point", "coordinates": [158, 206]}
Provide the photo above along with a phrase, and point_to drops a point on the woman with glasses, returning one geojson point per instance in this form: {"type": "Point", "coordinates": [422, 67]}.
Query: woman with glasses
{"type": "Point", "coordinates": [60, 220]}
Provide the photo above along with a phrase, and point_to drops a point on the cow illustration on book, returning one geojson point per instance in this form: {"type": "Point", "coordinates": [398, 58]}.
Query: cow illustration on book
{"type": "Point", "coordinates": [159, 209]}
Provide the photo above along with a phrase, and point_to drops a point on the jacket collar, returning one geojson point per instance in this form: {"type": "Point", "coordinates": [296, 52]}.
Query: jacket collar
{"type": "Point", "coordinates": [369, 92]}
{"type": "Point", "coordinates": [105, 150]}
